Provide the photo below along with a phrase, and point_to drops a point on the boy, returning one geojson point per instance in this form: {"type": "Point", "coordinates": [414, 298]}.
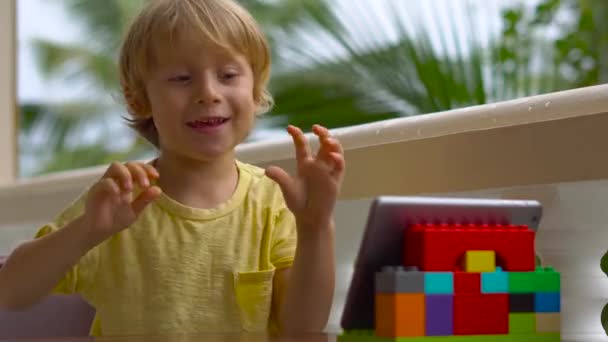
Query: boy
{"type": "Point", "coordinates": [225, 246]}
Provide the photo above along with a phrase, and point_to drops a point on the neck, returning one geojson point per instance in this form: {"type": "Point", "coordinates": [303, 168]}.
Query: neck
{"type": "Point", "coordinates": [195, 183]}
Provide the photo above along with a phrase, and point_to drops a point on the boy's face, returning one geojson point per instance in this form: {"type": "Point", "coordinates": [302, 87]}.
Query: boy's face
{"type": "Point", "coordinates": [201, 100]}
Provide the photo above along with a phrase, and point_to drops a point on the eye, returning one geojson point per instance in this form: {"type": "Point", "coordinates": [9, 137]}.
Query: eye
{"type": "Point", "coordinates": [180, 78]}
{"type": "Point", "coordinates": [226, 76]}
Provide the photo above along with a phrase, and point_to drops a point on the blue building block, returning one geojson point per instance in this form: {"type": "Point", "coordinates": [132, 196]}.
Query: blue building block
{"type": "Point", "coordinates": [495, 282]}
{"type": "Point", "coordinates": [547, 302]}
{"type": "Point", "coordinates": [438, 283]}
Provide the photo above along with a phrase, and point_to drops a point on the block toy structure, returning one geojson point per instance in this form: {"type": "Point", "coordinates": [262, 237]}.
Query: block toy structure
{"type": "Point", "coordinates": [465, 283]}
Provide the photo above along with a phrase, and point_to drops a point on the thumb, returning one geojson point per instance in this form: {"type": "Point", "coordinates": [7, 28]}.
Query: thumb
{"type": "Point", "coordinates": [284, 180]}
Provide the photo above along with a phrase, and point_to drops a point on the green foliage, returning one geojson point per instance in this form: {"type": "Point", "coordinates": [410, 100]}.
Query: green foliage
{"type": "Point", "coordinates": [372, 79]}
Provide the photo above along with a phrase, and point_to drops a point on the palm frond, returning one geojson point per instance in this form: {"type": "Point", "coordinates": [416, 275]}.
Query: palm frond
{"type": "Point", "coordinates": [57, 122]}
{"type": "Point", "coordinates": [103, 20]}
{"type": "Point", "coordinates": [75, 61]}
{"type": "Point", "coordinates": [317, 97]}
{"type": "Point", "coordinates": [415, 74]}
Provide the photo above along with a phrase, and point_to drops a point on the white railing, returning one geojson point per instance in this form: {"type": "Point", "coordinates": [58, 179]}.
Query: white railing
{"type": "Point", "coordinates": [545, 147]}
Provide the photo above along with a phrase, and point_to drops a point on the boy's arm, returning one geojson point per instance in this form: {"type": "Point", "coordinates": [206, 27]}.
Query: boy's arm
{"type": "Point", "coordinates": [304, 292]}
{"type": "Point", "coordinates": [35, 267]}
{"type": "Point", "coordinates": [311, 196]}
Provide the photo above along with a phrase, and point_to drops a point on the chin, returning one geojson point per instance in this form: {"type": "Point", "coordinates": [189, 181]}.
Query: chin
{"type": "Point", "coordinates": [211, 154]}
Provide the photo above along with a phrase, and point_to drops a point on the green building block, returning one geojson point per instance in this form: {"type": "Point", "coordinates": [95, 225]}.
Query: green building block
{"type": "Point", "coordinates": [547, 280]}
{"type": "Point", "coordinates": [360, 336]}
{"type": "Point", "coordinates": [522, 282]}
{"type": "Point", "coordinates": [368, 336]}
{"type": "Point", "coordinates": [543, 279]}
{"type": "Point", "coordinates": [522, 323]}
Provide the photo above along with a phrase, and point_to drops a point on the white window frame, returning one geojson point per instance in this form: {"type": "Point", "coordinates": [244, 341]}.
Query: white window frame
{"type": "Point", "coordinates": [8, 94]}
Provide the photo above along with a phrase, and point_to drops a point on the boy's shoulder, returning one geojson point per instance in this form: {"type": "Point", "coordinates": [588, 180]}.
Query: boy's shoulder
{"type": "Point", "coordinates": [254, 171]}
{"type": "Point", "coordinates": [261, 187]}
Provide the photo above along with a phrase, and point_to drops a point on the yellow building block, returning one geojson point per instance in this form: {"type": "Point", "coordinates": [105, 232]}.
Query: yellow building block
{"type": "Point", "coordinates": [480, 261]}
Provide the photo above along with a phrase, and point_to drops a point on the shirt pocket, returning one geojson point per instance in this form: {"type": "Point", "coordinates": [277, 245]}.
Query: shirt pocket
{"type": "Point", "coordinates": [253, 292]}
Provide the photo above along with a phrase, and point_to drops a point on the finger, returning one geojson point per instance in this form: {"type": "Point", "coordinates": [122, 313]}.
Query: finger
{"type": "Point", "coordinates": [138, 174]}
{"type": "Point", "coordinates": [121, 174]}
{"type": "Point", "coordinates": [106, 187]}
{"type": "Point", "coordinates": [152, 171]}
{"type": "Point", "coordinates": [300, 142]}
{"type": "Point", "coordinates": [328, 146]}
{"type": "Point", "coordinates": [145, 197]}
{"type": "Point", "coordinates": [321, 132]}
{"type": "Point", "coordinates": [284, 180]}
{"type": "Point", "coordinates": [338, 162]}
{"type": "Point", "coordinates": [109, 186]}
{"type": "Point", "coordinates": [332, 145]}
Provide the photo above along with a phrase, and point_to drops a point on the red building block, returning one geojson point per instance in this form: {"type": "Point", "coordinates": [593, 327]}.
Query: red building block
{"type": "Point", "coordinates": [466, 282]}
{"type": "Point", "coordinates": [481, 314]}
{"type": "Point", "coordinates": [442, 247]}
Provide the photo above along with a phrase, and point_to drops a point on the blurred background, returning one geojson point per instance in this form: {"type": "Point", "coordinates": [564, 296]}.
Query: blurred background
{"type": "Point", "coordinates": [335, 62]}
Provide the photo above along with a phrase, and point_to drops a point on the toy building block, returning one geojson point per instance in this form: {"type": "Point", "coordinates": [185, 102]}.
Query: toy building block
{"type": "Point", "coordinates": [439, 315]}
{"type": "Point", "coordinates": [400, 314]}
{"type": "Point", "coordinates": [521, 302]}
{"type": "Point", "coordinates": [522, 323]}
{"type": "Point", "coordinates": [522, 282]}
{"type": "Point", "coordinates": [543, 279]}
{"type": "Point", "coordinates": [368, 336]}
{"type": "Point", "coordinates": [399, 280]}
{"type": "Point", "coordinates": [479, 261]}
{"type": "Point", "coordinates": [547, 280]}
{"type": "Point", "coordinates": [359, 336]}
{"type": "Point", "coordinates": [438, 282]}
{"type": "Point", "coordinates": [495, 282]}
{"type": "Point", "coordinates": [547, 302]}
{"type": "Point", "coordinates": [477, 314]}
{"type": "Point", "coordinates": [465, 282]}
{"type": "Point", "coordinates": [548, 322]}
{"type": "Point", "coordinates": [441, 247]}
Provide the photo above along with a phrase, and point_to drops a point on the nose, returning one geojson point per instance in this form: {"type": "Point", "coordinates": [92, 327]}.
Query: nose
{"type": "Point", "coordinates": [208, 90]}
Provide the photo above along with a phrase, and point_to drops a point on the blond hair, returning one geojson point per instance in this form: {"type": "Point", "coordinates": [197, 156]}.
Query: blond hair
{"type": "Point", "coordinates": [221, 22]}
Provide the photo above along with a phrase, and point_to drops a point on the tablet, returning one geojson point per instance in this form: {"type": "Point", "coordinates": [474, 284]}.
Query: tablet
{"type": "Point", "coordinates": [382, 242]}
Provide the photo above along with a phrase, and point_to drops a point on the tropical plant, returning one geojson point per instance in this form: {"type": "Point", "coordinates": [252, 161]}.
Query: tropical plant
{"type": "Point", "coordinates": [415, 74]}
{"type": "Point", "coordinates": [327, 72]}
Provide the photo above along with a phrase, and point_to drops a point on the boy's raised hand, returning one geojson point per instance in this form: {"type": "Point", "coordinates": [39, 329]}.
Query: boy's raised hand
{"type": "Point", "coordinates": [311, 194]}
{"type": "Point", "coordinates": [110, 206]}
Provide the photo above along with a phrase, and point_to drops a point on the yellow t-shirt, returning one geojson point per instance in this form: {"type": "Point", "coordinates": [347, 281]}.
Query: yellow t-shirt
{"type": "Point", "coordinates": [179, 269]}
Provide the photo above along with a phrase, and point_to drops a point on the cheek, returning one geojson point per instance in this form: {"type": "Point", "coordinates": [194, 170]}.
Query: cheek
{"type": "Point", "coordinates": [246, 100]}
{"type": "Point", "coordinates": [168, 103]}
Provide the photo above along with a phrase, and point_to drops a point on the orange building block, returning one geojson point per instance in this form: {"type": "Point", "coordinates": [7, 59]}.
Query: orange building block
{"type": "Point", "coordinates": [400, 314]}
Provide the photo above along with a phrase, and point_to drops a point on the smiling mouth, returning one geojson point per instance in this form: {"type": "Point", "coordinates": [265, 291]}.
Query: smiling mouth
{"type": "Point", "coordinates": [211, 122]}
